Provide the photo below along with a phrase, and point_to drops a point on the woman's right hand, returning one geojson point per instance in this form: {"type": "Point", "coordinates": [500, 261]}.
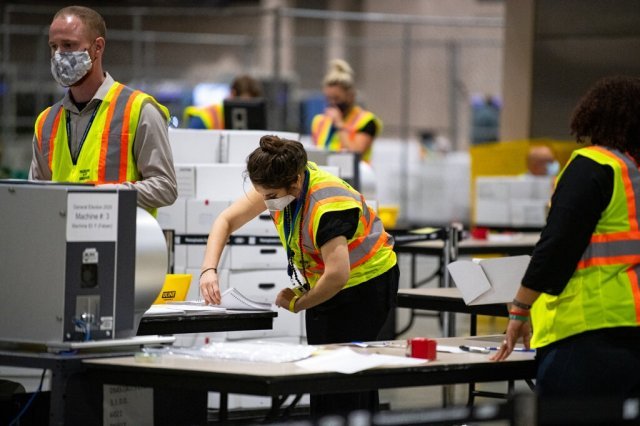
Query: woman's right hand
{"type": "Point", "coordinates": [209, 288]}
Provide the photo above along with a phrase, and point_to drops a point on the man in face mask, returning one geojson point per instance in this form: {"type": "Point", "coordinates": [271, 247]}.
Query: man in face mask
{"type": "Point", "coordinates": [101, 131]}
{"type": "Point", "coordinates": [541, 161]}
{"type": "Point", "coordinates": [344, 125]}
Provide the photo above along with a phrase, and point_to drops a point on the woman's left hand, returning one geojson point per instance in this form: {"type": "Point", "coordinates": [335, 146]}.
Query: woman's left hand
{"type": "Point", "coordinates": [284, 298]}
{"type": "Point", "coordinates": [515, 330]}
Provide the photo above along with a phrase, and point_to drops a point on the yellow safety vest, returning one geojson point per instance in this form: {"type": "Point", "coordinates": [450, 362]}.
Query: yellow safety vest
{"type": "Point", "coordinates": [603, 291]}
{"type": "Point", "coordinates": [370, 249]}
{"type": "Point", "coordinates": [106, 156]}
{"type": "Point", "coordinates": [212, 116]}
{"type": "Point", "coordinates": [325, 137]}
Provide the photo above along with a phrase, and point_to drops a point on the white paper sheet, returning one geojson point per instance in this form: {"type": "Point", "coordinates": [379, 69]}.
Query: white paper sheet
{"type": "Point", "coordinates": [494, 280]}
{"type": "Point", "coordinates": [181, 308]}
{"type": "Point", "coordinates": [347, 361]}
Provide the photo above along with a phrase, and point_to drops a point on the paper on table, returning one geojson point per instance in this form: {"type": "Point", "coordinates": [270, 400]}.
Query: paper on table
{"type": "Point", "coordinates": [489, 280]}
{"type": "Point", "coordinates": [233, 299]}
{"type": "Point", "coordinates": [347, 361]}
{"type": "Point", "coordinates": [181, 308]}
{"type": "Point", "coordinates": [450, 349]}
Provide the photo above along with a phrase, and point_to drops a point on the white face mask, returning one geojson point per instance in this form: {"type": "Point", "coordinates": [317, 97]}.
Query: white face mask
{"type": "Point", "coordinates": [553, 168]}
{"type": "Point", "coordinates": [277, 204]}
{"type": "Point", "coordinates": [68, 68]}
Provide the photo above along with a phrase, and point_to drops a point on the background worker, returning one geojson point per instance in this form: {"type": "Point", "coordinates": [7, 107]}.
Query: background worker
{"type": "Point", "coordinates": [541, 161]}
{"type": "Point", "coordinates": [581, 286]}
{"type": "Point", "coordinates": [102, 131]}
{"type": "Point", "coordinates": [212, 116]}
{"type": "Point", "coordinates": [344, 125]}
{"type": "Point", "coordinates": [340, 259]}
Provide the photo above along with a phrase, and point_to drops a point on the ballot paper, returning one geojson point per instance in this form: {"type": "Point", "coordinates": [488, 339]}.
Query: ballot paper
{"type": "Point", "coordinates": [486, 281]}
{"type": "Point", "coordinates": [347, 361]}
{"type": "Point", "coordinates": [182, 308]}
{"type": "Point", "coordinates": [231, 299]}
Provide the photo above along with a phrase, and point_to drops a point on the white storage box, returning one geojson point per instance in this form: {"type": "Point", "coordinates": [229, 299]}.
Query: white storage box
{"type": "Point", "coordinates": [257, 257]}
{"type": "Point", "coordinates": [173, 216]}
{"type": "Point", "coordinates": [261, 226]}
{"type": "Point", "coordinates": [195, 145]}
{"type": "Point", "coordinates": [263, 286]}
{"type": "Point", "coordinates": [238, 144]}
{"type": "Point", "coordinates": [186, 180]}
{"type": "Point", "coordinates": [221, 182]}
{"type": "Point", "coordinates": [201, 214]}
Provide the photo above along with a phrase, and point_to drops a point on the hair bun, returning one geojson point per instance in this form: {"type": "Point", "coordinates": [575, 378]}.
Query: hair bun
{"type": "Point", "coordinates": [339, 72]}
{"type": "Point", "coordinates": [271, 144]}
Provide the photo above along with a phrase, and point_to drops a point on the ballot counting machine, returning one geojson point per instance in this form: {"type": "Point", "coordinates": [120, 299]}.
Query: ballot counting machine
{"type": "Point", "coordinates": [79, 264]}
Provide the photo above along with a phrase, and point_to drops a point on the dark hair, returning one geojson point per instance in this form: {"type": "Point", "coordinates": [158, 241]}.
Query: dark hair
{"type": "Point", "coordinates": [276, 163]}
{"type": "Point", "coordinates": [91, 19]}
{"type": "Point", "coordinates": [609, 115]}
{"type": "Point", "coordinates": [245, 85]}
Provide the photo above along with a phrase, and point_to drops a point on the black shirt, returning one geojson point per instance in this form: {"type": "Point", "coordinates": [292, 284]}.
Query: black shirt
{"type": "Point", "coordinates": [334, 224]}
{"type": "Point", "coordinates": [582, 194]}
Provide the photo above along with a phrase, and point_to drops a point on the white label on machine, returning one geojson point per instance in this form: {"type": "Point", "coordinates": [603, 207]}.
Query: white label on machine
{"type": "Point", "coordinates": [127, 405]}
{"type": "Point", "coordinates": [92, 216]}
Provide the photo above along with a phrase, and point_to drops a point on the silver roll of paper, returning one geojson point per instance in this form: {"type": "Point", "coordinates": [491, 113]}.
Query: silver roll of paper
{"type": "Point", "coordinates": [151, 262]}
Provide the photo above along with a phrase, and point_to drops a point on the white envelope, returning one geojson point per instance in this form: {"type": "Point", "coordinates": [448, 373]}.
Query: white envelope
{"type": "Point", "coordinates": [487, 281]}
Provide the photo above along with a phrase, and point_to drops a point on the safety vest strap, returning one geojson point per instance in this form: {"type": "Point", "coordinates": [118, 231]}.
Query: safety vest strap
{"type": "Point", "coordinates": [48, 129]}
{"type": "Point", "coordinates": [631, 181]}
{"type": "Point", "coordinates": [611, 253]}
{"type": "Point", "coordinates": [115, 137]}
{"type": "Point", "coordinates": [361, 248]}
{"type": "Point", "coordinates": [618, 247]}
{"type": "Point", "coordinates": [320, 131]}
{"type": "Point", "coordinates": [318, 196]}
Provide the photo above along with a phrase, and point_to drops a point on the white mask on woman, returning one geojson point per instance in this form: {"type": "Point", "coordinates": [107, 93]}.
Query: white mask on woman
{"type": "Point", "coordinates": [68, 68]}
{"type": "Point", "coordinates": [277, 204]}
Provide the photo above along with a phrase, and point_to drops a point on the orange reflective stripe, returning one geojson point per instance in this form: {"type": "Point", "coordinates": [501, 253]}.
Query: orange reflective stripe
{"type": "Point", "coordinates": [628, 187]}
{"type": "Point", "coordinates": [322, 128]}
{"type": "Point", "coordinates": [352, 123]}
{"type": "Point", "coordinates": [213, 113]}
{"type": "Point", "coordinates": [367, 230]}
{"type": "Point", "coordinates": [124, 138]}
{"type": "Point", "coordinates": [45, 114]}
{"type": "Point", "coordinates": [105, 133]}
{"type": "Point", "coordinates": [52, 137]}
{"type": "Point", "coordinates": [633, 278]}
{"type": "Point", "coordinates": [615, 236]}
{"type": "Point", "coordinates": [608, 260]}
{"type": "Point", "coordinates": [381, 241]}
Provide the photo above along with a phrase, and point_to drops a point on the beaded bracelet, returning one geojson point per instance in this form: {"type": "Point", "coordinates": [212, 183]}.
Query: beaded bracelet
{"type": "Point", "coordinates": [520, 304]}
{"type": "Point", "coordinates": [519, 312]}
{"type": "Point", "coordinates": [518, 317]}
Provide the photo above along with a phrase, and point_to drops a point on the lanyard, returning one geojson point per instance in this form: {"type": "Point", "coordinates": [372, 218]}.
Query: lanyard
{"type": "Point", "coordinates": [84, 135]}
{"type": "Point", "coordinates": [288, 225]}
{"type": "Point", "coordinates": [289, 221]}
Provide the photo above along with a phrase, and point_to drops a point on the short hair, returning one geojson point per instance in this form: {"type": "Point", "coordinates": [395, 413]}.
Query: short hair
{"type": "Point", "coordinates": [92, 20]}
{"type": "Point", "coordinates": [245, 85]}
{"type": "Point", "coordinates": [609, 115]}
{"type": "Point", "coordinates": [340, 74]}
{"type": "Point", "coordinates": [276, 163]}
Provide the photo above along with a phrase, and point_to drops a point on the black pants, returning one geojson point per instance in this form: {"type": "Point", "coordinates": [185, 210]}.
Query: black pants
{"type": "Point", "coordinates": [357, 313]}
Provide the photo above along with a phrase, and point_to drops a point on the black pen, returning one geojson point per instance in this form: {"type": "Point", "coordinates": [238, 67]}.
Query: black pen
{"type": "Point", "coordinates": [474, 349]}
